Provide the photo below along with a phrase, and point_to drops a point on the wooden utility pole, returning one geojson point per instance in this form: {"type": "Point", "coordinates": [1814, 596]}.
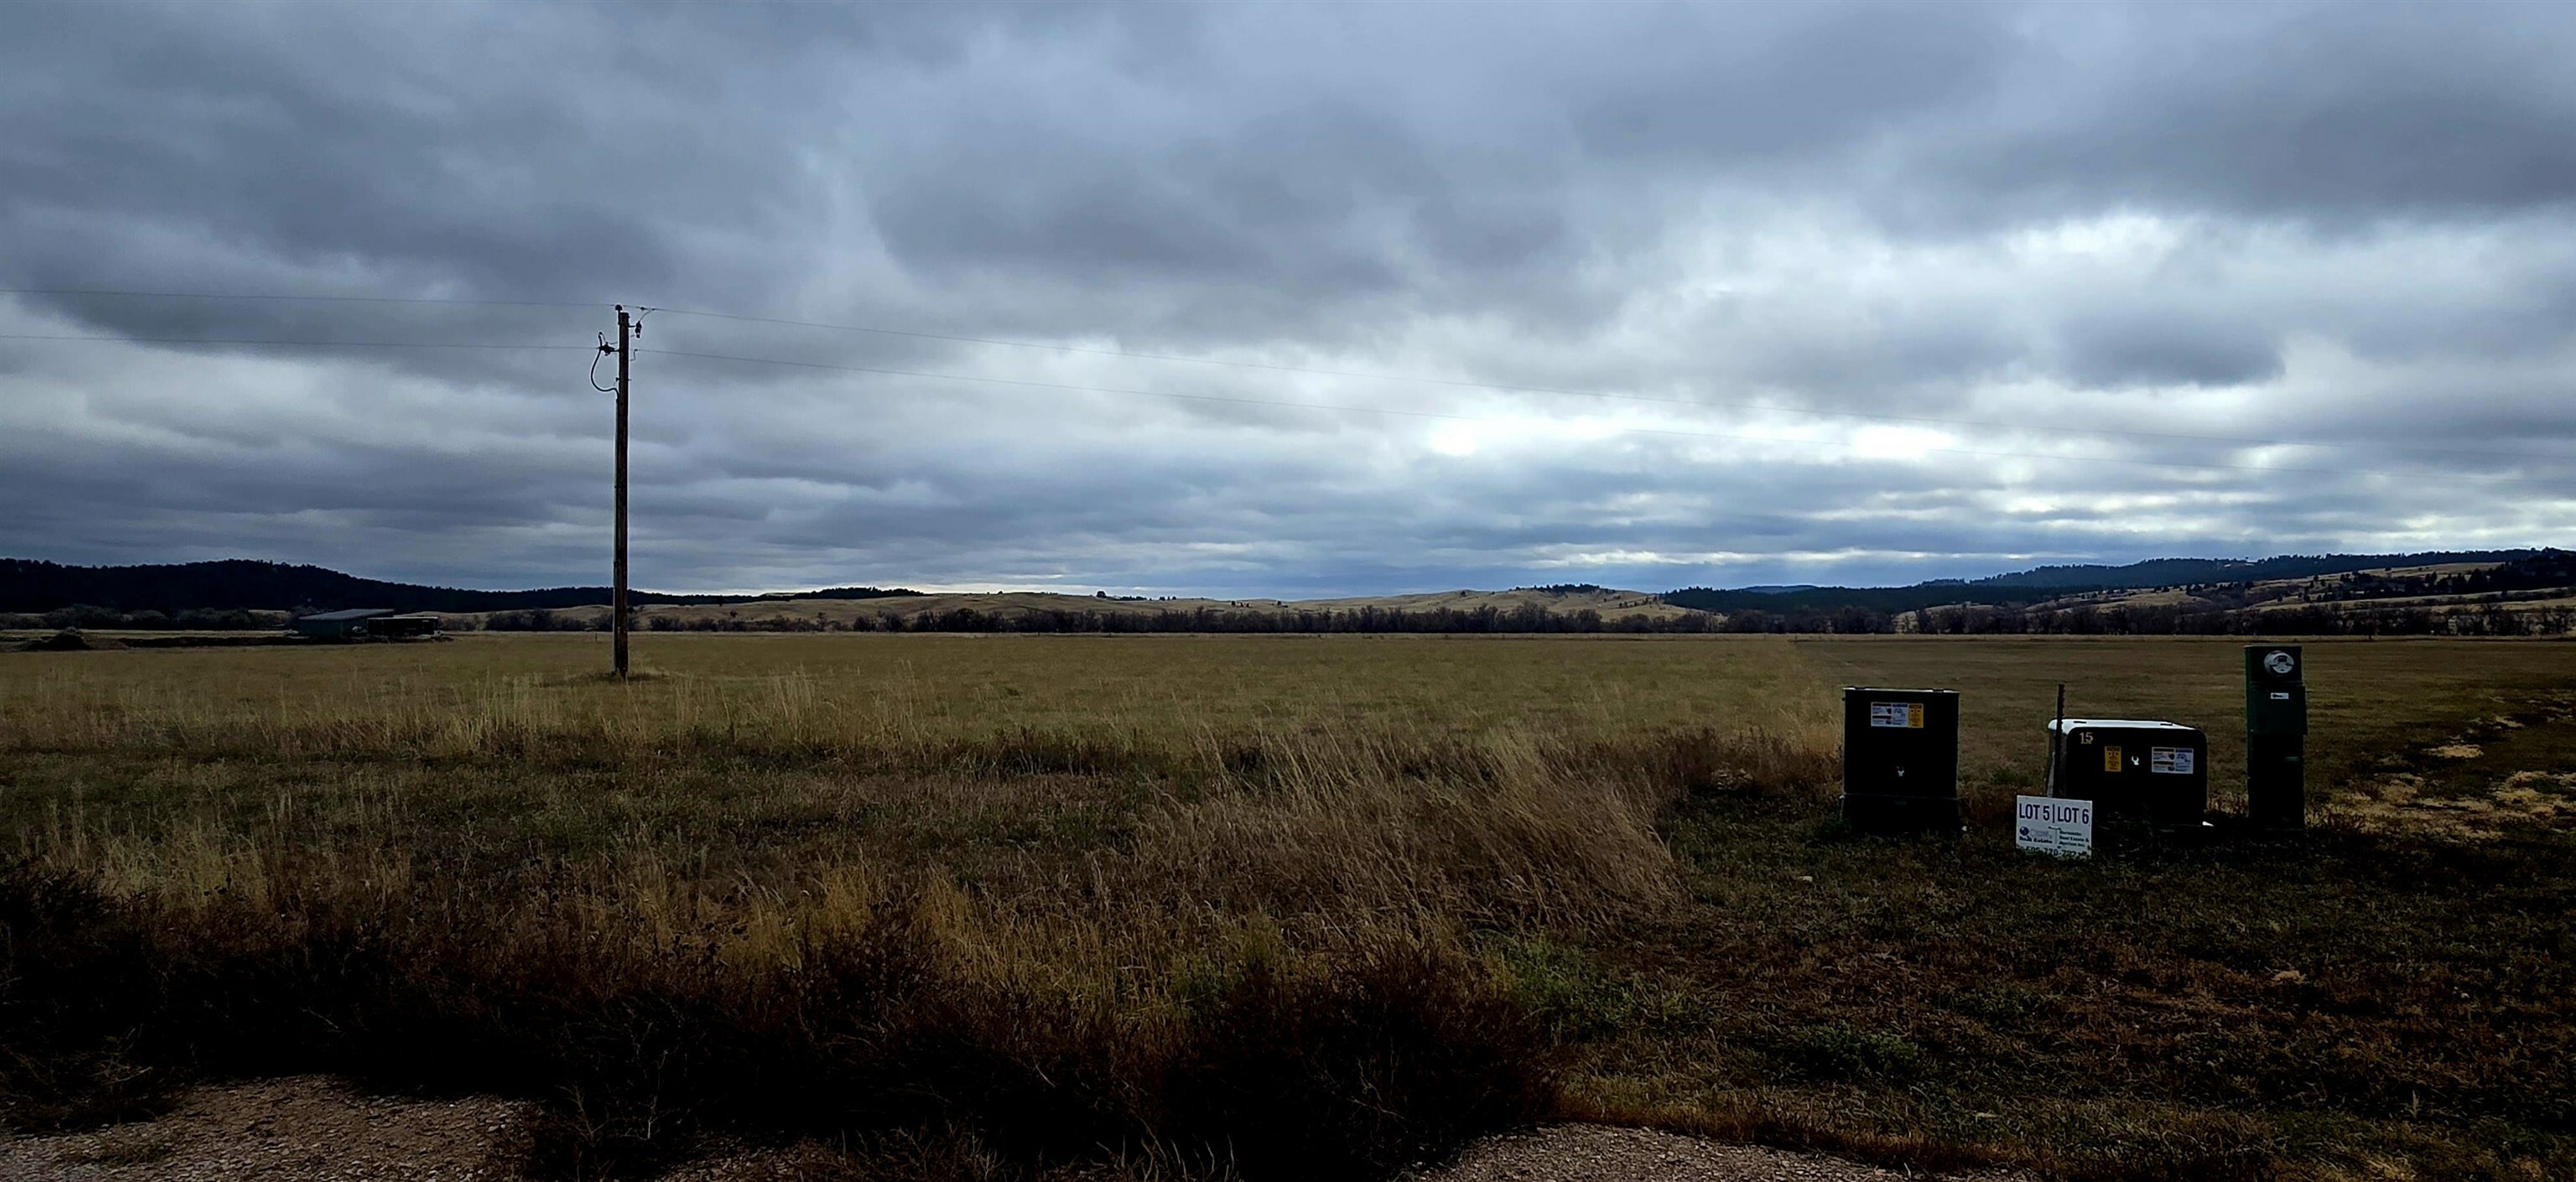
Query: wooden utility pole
{"type": "Point", "coordinates": [617, 606]}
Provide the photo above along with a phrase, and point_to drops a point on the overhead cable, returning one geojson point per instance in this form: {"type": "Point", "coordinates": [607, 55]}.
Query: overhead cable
{"type": "Point", "coordinates": [22, 336]}
{"type": "Point", "coordinates": [336, 299]}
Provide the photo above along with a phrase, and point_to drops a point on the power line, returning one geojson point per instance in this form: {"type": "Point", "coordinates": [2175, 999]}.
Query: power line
{"type": "Point", "coordinates": [341, 299]}
{"type": "Point", "coordinates": [1443, 415]}
{"type": "Point", "coordinates": [1506, 387]}
{"type": "Point", "coordinates": [17, 336]}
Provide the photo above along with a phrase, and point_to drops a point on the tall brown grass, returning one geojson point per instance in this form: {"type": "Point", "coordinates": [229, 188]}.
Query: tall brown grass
{"type": "Point", "coordinates": [764, 912]}
{"type": "Point", "coordinates": [1176, 907]}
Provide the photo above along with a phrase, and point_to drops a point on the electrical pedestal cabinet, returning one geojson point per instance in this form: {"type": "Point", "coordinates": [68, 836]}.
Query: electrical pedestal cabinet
{"type": "Point", "coordinates": [2276, 736]}
{"type": "Point", "coordinates": [1901, 760]}
{"type": "Point", "coordinates": [2133, 770]}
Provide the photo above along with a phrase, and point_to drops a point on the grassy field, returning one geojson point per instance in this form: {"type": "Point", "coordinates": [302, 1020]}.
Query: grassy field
{"type": "Point", "coordinates": [784, 613]}
{"type": "Point", "coordinates": [1284, 907]}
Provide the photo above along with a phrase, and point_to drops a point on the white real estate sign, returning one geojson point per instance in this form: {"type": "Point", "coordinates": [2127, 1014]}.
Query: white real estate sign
{"type": "Point", "coordinates": [2048, 825]}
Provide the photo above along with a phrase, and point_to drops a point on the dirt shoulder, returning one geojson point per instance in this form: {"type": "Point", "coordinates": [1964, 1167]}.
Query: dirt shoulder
{"type": "Point", "coordinates": [304, 1129]}
{"type": "Point", "coordinates": [313, 1129]}
{"type": "Point", "coordinates": [1594, 1153]}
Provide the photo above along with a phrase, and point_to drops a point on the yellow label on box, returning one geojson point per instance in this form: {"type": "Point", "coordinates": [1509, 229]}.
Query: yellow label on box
{"type": "Point", "coordinates": [2110, 759]}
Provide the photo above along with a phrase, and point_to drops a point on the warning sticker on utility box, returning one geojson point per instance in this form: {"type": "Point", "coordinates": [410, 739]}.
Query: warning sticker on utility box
{"type": "Point", "coordinates": [2110, 759]}
{"type": "Point", "coordinates": [1908, 715]}
{"type": "Point", "coordinates": [2171, 761]}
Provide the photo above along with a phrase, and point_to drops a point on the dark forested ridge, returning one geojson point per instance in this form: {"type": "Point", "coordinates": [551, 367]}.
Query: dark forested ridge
{"type": "Point", "coordinates": [2519, 592]}
{"type": "Point", "coordinates": [243, 584]}
{"type": "Point", "coordinates": [2173, 572]}
{"type": "Point", "coordinates": [2056, 582]}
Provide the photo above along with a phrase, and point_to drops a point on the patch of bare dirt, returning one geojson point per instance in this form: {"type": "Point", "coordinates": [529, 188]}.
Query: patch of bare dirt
{"type": "Point", "coordinates": [302, 1129]}
{"type": "Point", "coordinates": [2434, 791]}
{"type": "Point", "coordinates": [1596, 1153]}
{"type": "Point", "coordinates": [2524, 798]}
{"type": "Point", "coordinates": [313, 1129]}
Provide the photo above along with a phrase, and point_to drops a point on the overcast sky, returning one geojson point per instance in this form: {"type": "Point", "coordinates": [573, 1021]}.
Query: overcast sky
{"type": "Point", "coordinates": [1435, 295]}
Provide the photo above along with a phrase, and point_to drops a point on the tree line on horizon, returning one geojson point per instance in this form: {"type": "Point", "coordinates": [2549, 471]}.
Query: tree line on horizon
{"type": "Point", "coordinates": [2326, 603]}
{"type": "Point", "coordinates": [2044, 583]}
{"type": "Point", "coordinates": [29, 586]}
{"type": "Point", "coordinates": [2498, 616]}
{"type": "Point", "coordinates": [36, 586]}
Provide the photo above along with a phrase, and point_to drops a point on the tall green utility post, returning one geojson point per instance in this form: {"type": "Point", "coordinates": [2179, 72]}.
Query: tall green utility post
{"type": "Point", "coordinates": [2276, 736]}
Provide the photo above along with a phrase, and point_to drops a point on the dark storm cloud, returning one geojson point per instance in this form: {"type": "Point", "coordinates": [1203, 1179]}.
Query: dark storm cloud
{"type": "Point", "coordinates": [1963, 228]}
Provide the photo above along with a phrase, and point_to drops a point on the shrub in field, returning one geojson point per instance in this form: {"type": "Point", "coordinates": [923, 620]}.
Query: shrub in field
{"type": "Point", "coordinates": [1839, 1050]}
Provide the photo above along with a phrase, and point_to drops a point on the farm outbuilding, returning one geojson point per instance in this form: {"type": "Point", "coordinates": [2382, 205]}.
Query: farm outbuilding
{"type": "Point", "coordinates": [366, 623]}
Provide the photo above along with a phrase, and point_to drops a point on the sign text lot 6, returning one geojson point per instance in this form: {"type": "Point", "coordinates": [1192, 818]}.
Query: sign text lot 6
{"type": "Point", "coordinates": [2050, 825]}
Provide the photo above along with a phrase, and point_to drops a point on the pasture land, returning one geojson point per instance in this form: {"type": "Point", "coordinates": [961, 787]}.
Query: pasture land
{"type": "Point", "coordinates": [1282, 907]}
{"type": "Point", "coordinates": [820, 614]}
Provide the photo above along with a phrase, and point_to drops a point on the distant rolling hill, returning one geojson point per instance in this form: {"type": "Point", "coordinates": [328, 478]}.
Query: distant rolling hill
{"type": "Point", "coordinates": [2046, 583]}
{"type": "Point", "coordinates": [2540, 581]}
{"type": "Point", "coordinates": [31, 586]}
{"type": "Point", "coordinates": [1463, 610]}
{"type": "Point", "coordinates": [2309, 592]}
{"type": "Point", "coordinates": [35, 587]}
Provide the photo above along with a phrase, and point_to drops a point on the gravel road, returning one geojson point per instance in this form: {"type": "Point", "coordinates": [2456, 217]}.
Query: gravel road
{"type": "Point", "coordinates": [312, 1129]}
{"type": "Point", "coordinates": [302, 1129]}
{"type": "Point", "coordinates": [1593, 1153]}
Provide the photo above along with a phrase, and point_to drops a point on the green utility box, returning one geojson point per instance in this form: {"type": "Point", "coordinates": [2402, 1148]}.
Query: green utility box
{"type": "Point", "coordinates": [1901, 760]}
{"type": "Point", "coordinates": [2276, 735]}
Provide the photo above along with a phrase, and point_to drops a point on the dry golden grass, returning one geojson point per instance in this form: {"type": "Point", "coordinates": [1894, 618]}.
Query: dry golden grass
{"type": "Point", "coordinates": [1612, 606]}
{"type": "Point", "coordinates": [1152, 843]}
{"type": "Point", "coordinates": [1054, 902]}
{"type": "Point", "coordinates": [1166, 790]}
{"type": "Point", "coordinates": [1172, 689]}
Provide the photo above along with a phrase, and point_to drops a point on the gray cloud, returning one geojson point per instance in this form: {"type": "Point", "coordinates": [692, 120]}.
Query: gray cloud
{"type": "Point", "coordinates": [2343, 113]}
{"type": "Point", "coordinates": [1858, 270]}
{"type": "Point", "coordinates": [2167, 347]}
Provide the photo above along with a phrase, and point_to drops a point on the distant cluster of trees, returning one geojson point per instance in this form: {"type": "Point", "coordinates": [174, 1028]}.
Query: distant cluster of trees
{"type": "Point", "coordinates": [2499, 615]}
{"type": "Point", "coordinates": [202, 619]}
{"type": "Point", "coordinates": [2333, 604]}
{"type": "Point", "coordinates": [2047, 583]}
{"type": "Point", "coordinates": [2549, 569]}
{"type": "Point", "coordinates": [2498, 601]}
{"type": "Point", "coordinates": [1527, 618]}
{"type": "Point", "coordinates": [2495, 618]}
{"type": "Point", "coordinates": [1851, 620]}
{"type": "Point", "coordinates": [30, 586]}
